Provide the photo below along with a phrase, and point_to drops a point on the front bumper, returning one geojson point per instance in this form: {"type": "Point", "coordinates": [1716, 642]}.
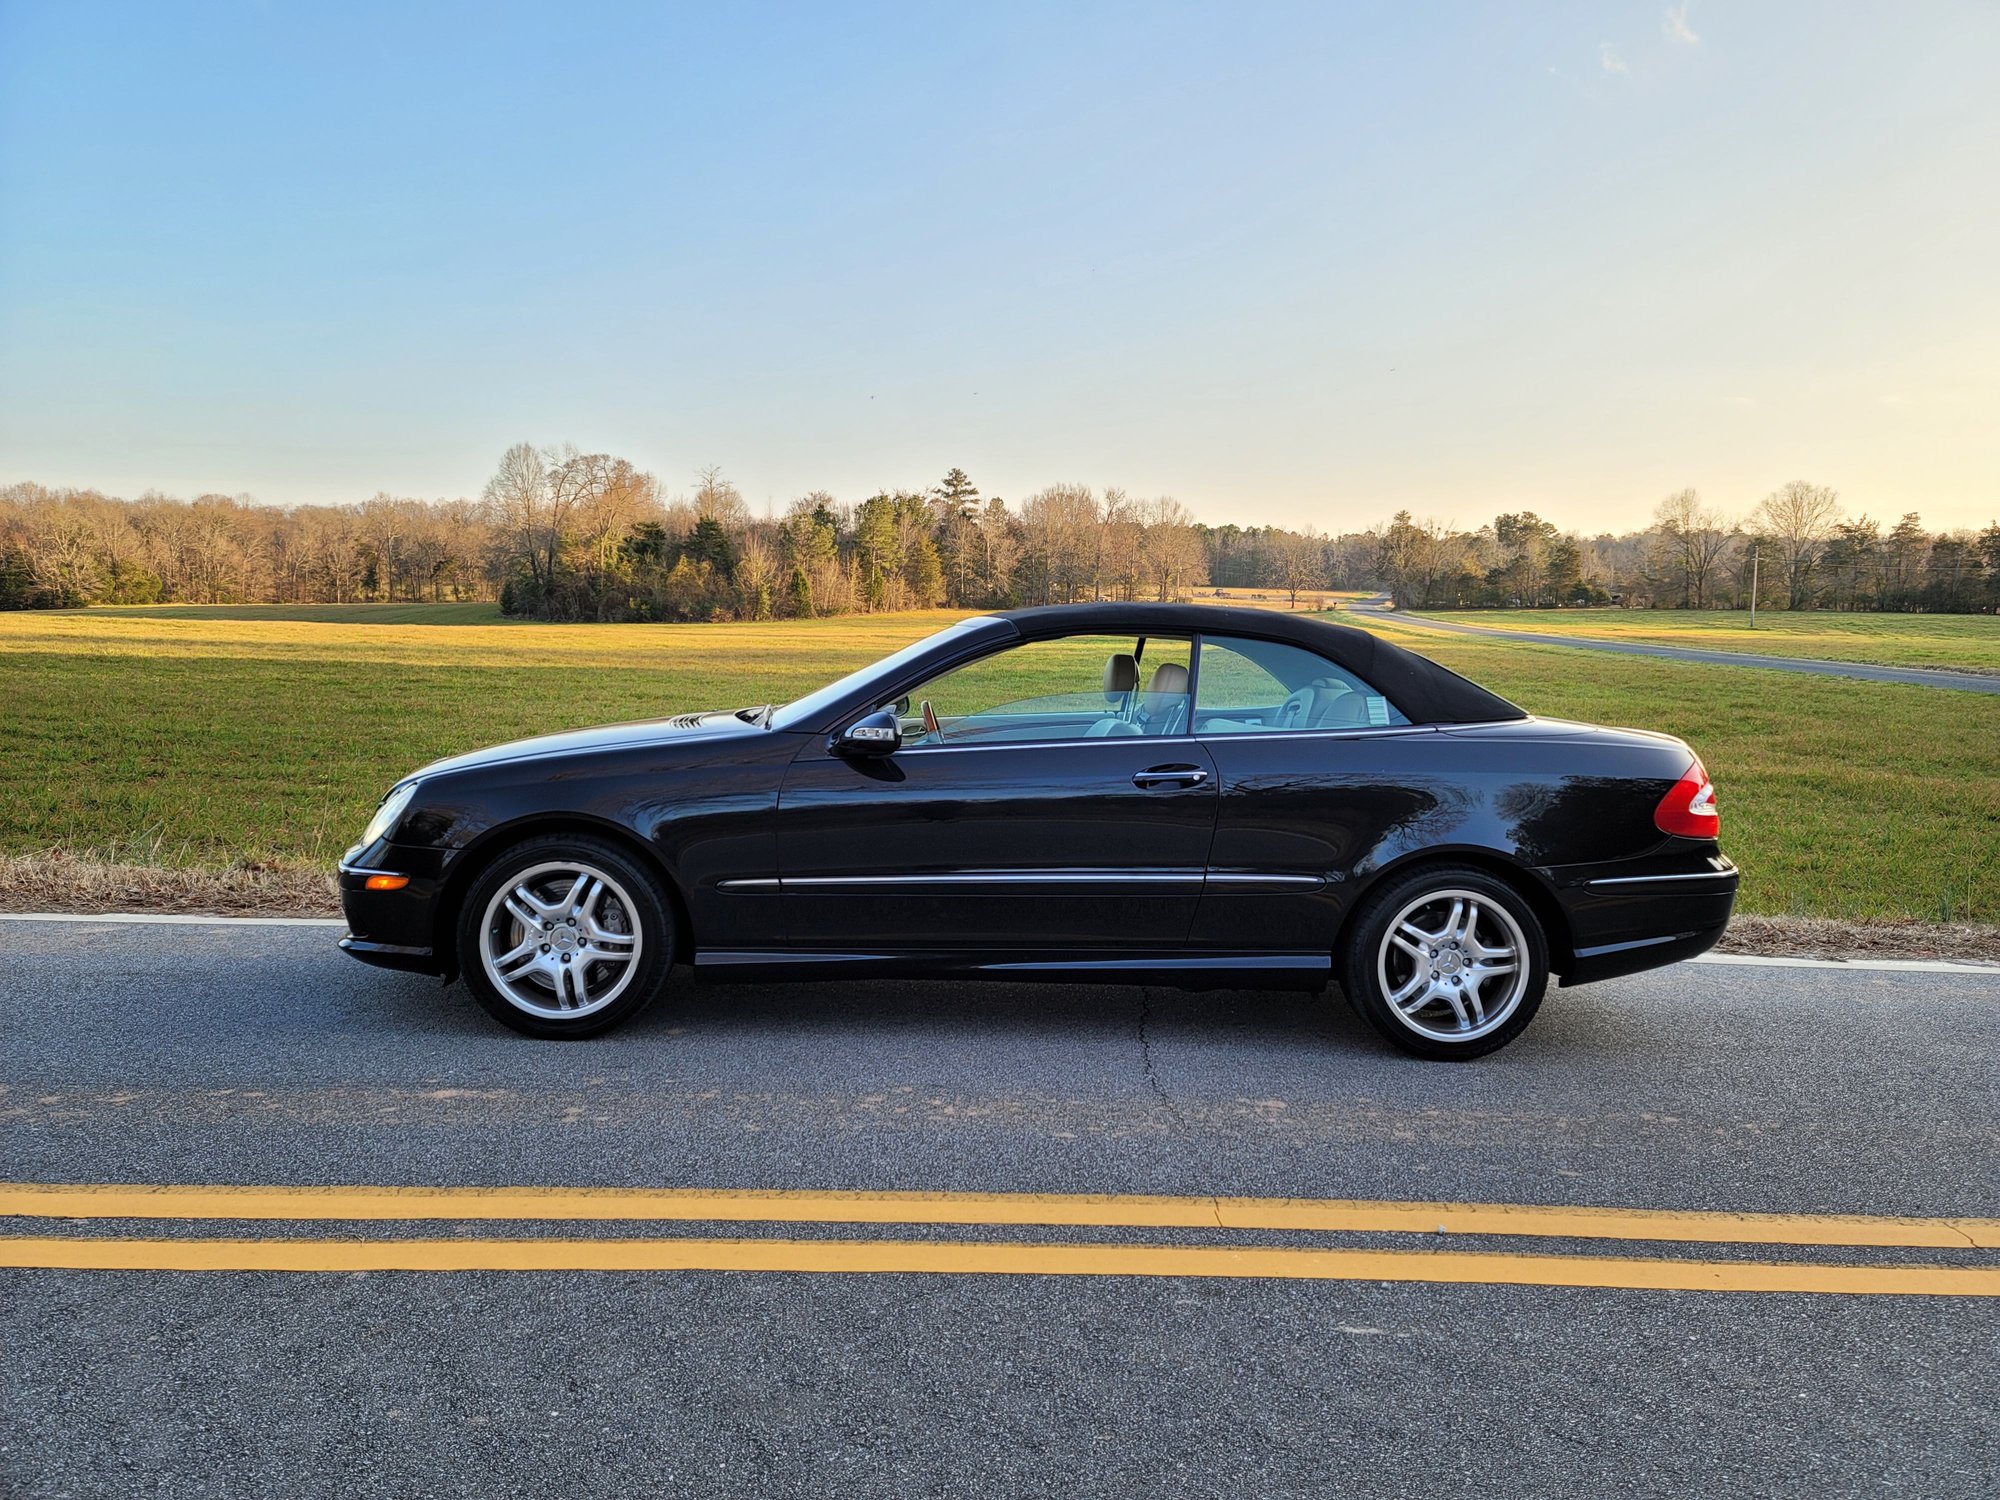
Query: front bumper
{"type": "Point", "coordinates": [390, 956]}
{"type": "Point", "coordinates": [1624, 919]}
{"type": "Point", "coordinates": [391, 929]}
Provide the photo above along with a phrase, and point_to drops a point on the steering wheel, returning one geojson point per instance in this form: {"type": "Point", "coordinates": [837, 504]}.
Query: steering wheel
{"type": "Point", "coordinates": [930, 722]}
{"type": "Point", "coordinates": [1292, 712]}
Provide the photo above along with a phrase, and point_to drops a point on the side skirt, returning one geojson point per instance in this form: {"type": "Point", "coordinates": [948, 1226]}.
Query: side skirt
{"type": "Point", "coordinates": [1173, 970]}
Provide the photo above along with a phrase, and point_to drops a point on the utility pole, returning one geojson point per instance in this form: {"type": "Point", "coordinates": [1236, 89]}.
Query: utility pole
{"type": "Point", "coordinates": [1753, 588]}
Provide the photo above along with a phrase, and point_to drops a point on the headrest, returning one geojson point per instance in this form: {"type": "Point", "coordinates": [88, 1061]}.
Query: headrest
{"type": "Point", "coordinates": [1121, 674]}
{"type": "Point", "coordinates": [1339, 712]}
{"type": "Point", "coordinates": [1169, 677]}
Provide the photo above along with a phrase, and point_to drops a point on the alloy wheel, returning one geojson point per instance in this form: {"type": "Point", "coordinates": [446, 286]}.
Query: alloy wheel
{"type": "Point", "coordinates": [560, 940]}
{"type": "Point", "coordinates": [1451, 965]}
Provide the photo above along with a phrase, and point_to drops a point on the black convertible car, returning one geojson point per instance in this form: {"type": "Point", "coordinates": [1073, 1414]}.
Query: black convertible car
{"type": "Point", "coordinates": [1185, 795]}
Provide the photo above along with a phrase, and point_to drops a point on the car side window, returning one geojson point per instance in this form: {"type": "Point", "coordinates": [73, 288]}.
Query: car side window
{"type": "Point", "coordinates": [1074, 688]}
{"type": "Point", "coordinates": [1266, 687]}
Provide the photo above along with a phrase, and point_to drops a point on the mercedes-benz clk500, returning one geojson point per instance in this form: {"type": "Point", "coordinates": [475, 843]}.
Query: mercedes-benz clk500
{"type": "Point", "coordinates": [1124, 793]}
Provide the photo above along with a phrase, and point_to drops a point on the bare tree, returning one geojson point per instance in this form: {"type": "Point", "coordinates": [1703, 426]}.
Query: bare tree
{"type": "Point", "coordinates": [1697, 538]}
{"type": "Point", "coordinates": [1423, 562]}
{"type": "Point", "coordinates": [1057, 527]}
{"type": "Point", "coordinates": [59, 552]}
{"type": "Point", "coordinates": [1798, 519]}
{"type": "Point", "coordinates": [1120, 534]}
{"type": "Point", "coordinates": [1299, 563]}
{"type": "Point", "coordinates": [517, 498]}
{"type": "Point", "coordinates": [999, 549]}
{"type": "Point", "coordinates": [716, 499]}
{"type": "Point", "coordinates": [1171, 548]}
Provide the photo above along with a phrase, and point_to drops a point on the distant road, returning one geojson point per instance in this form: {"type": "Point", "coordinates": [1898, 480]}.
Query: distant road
{"type": "Point", "coordinates": [1967, 682]}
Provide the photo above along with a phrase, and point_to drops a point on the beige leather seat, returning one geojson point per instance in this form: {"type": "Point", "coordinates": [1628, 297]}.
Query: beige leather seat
{"type": "Point", "coordinates": [1121, 676]}
{"type": "Point", "coordinates": [1337, 706]}
{"type": "Point", "coordinates": [1322, 704]}
{"type": "Point", "coordinates": [1163, 706]}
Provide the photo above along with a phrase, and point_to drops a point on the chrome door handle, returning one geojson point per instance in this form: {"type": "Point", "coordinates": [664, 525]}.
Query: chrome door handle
{"type": "Point", "coordinates": [1170, 776]}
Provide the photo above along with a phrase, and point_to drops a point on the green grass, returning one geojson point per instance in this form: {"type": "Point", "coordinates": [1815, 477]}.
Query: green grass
{"type": "Point", "coordinates": [272, 739]}
{"type": "Point", "coordinates": [219, 738]}
{"type": "Point", "coordinates": [1968, 642]}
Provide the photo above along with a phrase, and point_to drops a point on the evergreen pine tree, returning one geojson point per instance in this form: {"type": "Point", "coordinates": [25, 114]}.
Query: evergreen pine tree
{"type": "Point", "coordinates": [922, 573]}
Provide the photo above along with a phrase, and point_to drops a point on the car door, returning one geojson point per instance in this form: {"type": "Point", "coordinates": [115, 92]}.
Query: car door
{"type": "Point", "coordinates": [1315, 769]}
{"type": "Point", "coordinates": [1072, 816]}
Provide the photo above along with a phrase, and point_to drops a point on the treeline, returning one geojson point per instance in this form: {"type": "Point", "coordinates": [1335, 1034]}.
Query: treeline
{"type": "Point", "coordinates": [63, 548]}
{"type": "Point", "coordinates": [564, 535]}
{"type": "Point", "coordinates": [1797, 549]}
{"type": "Point", "coordinates": [579, 536]}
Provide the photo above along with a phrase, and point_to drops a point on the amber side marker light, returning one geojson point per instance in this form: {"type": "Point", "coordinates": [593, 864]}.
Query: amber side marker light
{"type": "Point", "coordinates": [387, 882]}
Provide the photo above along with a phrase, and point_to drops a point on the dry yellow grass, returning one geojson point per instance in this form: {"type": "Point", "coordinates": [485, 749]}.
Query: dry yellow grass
{"type": "Point", "coordinates": [56, 880]}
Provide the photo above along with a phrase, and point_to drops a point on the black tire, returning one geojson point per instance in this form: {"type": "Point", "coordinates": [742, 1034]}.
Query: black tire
{"type": "Point", "coordinates": [601, 965]}
{"type": "Point", "coordinates": [1459, 1005]}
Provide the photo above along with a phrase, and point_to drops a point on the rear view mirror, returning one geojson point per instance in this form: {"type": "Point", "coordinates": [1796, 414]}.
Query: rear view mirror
{"type": "Point", "coordinates": [879, 733]}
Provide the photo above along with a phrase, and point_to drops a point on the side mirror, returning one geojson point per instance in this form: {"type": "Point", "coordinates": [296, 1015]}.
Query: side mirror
{"type": "Point", "coordinates": [879, 733]}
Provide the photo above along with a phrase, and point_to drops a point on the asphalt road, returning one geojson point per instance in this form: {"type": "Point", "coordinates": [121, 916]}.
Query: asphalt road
{"type": "Point", "coordinates": [1970, 682]}
{"type": "Point", "coordinates": [213, 1054]}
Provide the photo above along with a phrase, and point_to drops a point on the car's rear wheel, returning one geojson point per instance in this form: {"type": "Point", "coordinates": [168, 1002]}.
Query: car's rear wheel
{"type": "Point", "coordinates": [1446, 961]}
{"type": "Point", "coordinates": [565, 936]}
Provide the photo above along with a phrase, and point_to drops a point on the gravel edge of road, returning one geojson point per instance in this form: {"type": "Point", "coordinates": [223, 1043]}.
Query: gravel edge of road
{"type": "Point", "coordinates": [61, 882]}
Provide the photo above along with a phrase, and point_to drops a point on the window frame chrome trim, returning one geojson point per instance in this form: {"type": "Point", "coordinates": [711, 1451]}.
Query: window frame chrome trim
{"type": "Point", "coordinates": [1109, 739]}
{"type": "Point", "coordinates": [1387, 731]}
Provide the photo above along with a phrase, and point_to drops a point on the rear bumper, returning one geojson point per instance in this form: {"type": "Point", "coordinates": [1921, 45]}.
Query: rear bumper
{"type": "Point", "coordinates": [1589, 965]}
{"type": "Point", "coordinates": [1624, 920]}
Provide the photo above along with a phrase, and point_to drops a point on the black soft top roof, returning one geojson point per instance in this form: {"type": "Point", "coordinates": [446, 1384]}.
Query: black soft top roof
{"type": "Point", "coordinates": [1425, 692]}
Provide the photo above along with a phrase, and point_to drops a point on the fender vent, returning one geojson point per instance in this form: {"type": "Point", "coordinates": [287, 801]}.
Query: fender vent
{"type": "Point", "coordinates": [686, 721]}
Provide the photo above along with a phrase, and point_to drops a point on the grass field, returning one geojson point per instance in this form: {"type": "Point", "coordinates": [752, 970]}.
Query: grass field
{"type": "Point", "coordinates": [1968, 642]}
{"type": "Point", "coordinates": [322, 614]}
{"type": "Point", "coordinates": [200, 740]}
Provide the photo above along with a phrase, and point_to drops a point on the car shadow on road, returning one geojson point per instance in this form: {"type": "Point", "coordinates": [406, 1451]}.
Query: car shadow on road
{"type": "Point", "coordinates": [903, 1009]}
{"type": "Point", "coordinates": [852, 1011]}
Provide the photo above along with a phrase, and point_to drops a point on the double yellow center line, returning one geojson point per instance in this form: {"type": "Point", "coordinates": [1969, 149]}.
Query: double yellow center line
{"type": "Point", "coordinates": [1009, 1210]}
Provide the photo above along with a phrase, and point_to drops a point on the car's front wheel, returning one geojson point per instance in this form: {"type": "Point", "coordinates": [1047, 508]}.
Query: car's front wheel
{"type": "Point", "coordinates": [565, 936]}
{"type": "Point", "coordinates": [1446, 961]}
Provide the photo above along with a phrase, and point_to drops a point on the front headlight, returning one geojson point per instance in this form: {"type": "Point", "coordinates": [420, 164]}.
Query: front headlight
{"type": "Point", "coordinates": [387, 814]}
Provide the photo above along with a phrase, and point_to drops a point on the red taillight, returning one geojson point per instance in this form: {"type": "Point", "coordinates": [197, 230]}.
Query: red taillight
{"type": "Point", "coordinates": [1689, 809]}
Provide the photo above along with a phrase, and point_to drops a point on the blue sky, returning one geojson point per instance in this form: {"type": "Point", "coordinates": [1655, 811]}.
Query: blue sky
{"type": "Point", "coordinates": [1297, 263]}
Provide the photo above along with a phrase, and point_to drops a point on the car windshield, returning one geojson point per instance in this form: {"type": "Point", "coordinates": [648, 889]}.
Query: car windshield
{"type": "Point", "coordinates": [802, 711]}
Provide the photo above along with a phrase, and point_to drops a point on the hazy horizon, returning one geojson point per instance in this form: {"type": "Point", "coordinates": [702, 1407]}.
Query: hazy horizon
{"type": "Point", "coordinates": [1289, 264]}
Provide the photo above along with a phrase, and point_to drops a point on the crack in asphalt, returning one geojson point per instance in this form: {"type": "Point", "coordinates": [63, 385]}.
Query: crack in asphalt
{"type": "Point", "coordinates": [1158, 1089]}
{"type": "Point", "coordinates": [1146, 1061]}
